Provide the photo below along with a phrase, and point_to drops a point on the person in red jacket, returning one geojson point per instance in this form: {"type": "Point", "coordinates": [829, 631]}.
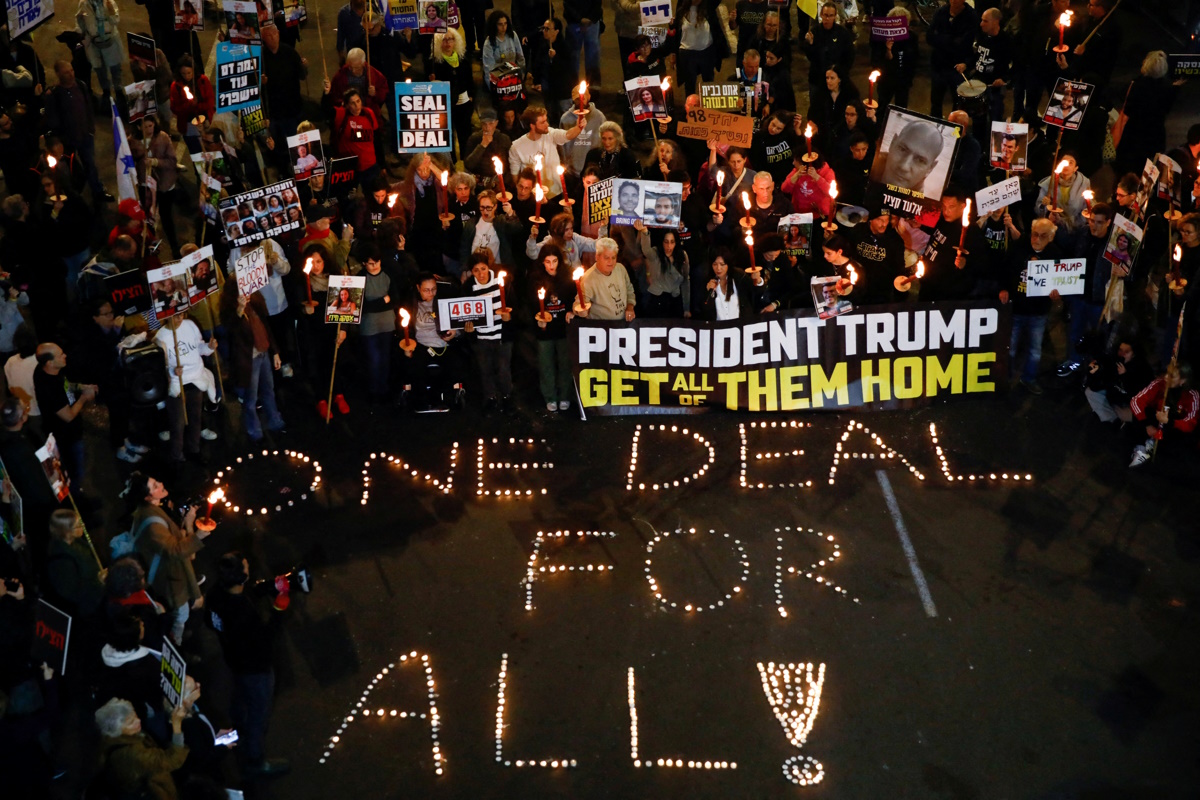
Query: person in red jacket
{"type": "Point", "coordinates": [192, 100]}
{"type": "Point", "coordinates": [1174, 415]}
{"type": "Point", "coordinates": [354, 127]}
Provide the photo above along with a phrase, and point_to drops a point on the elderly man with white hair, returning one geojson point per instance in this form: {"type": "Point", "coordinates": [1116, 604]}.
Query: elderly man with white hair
{"type": "Point", "coordinates": [607, 290]}
{"type": "Point", "coordinates": [370, 82]}
{"type": "Point", "coordinates": [131, 763]}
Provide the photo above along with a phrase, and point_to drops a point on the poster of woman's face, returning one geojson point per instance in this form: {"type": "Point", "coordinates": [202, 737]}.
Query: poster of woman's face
{"type": "Point", "coordinates": [188, 16]}
{"type": "Point", "coordinates": [241, 17]}
{"type": "Point", "coordinates": [645, 98]}
{"type": "Point", "coordinates": [1123, 242]}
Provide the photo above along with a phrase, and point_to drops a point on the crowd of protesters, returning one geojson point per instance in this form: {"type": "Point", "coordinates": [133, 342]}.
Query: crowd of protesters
{"type": "Point", "coordinates": [66, 346]}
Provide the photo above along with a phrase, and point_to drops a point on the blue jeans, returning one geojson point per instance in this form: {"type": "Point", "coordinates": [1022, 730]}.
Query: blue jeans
{"type": "Point", "coordinates": [377, 348]}
{"type": "Point", "coordinates": [1034, 327]}
{"type": "Point", "coordinates": [252, 697]}
{"type": "Point", "coordinates": [1085, 317]}
{"type": "Point", "coordinates": [260, 387]}
{"type": "Point", "coordinates": [588, 38]}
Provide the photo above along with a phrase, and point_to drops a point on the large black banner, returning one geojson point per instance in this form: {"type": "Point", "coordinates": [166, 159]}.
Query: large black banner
{"type": "Point", "coordinates": [878, 357]}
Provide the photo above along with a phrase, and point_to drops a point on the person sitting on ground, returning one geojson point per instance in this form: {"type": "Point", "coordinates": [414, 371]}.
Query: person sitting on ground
{"type": "Point", "coordinates": [1112, 382]}
{"type": "Point", "coordinates": [1169, 407]}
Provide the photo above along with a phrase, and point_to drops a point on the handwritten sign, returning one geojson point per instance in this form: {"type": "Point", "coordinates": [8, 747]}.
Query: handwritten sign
{"type": "Point", "coordinates": [655, 12]}
{"type": "Point", "coordinates": [718, 126]}
{"type": "Point", "coordinates": [51, 636]}
{"type": "Point", "coordinates": [251, 271]}
{"type": "Point", "coordinates": [1065, 277]}
{"type": "Point", "coordinates": [172, 670]}
{"type": "Point", "coordinates": [455, 312]}
{"type": "Point", "coordinates": [1000, 195]}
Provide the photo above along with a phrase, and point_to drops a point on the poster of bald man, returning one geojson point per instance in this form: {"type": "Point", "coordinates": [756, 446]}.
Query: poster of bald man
{"type": "Point", "coordinates": [1067, 103]}
{"type": "Point", "coordinates": [913, 159]}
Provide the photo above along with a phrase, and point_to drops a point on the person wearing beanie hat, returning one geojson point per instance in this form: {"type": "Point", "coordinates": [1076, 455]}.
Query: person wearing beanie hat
{"type": "Point", "coordinates": [482, 146]}
{"type": "Point", "coordinates": [131, 221]}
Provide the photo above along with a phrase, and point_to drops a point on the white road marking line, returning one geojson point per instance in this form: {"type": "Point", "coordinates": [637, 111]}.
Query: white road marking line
{"type": "Point", "coordinates": [906, 543]}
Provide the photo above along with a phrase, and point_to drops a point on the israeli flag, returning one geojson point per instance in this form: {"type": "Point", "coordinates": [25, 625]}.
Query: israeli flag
{"type": "Point", "coordinates": [126, 168]}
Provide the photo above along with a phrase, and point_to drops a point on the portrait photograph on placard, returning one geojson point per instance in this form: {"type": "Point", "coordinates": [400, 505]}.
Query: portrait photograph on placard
{"type": "Point", "coordinates": [344, 303]}
{"type": "Point", "coordinates": [914, 156]}
{"type": "Point", "coordinates": [1067, 103]}
{"type": "Point", "coordinates": [168, 290]}
{"type": "Point", "coordinates": [1146, 186]}
{"type": "Point", "coordinates": [1009, 146]}
{"type": "Point", "coordinates": [1123, 242]}
{"type": "Point", "coordinates": [294, 12]}
{"type": "Point", "coordinates": [50, 458]}
{"type": "Point", "coordinates": [1170, 175]}
{"type": "Point", "coordinates": [188, 15]}
{"type": "Point", "coordinates": [142, 100]}
{"type": "Point", "coordinates": [826, 299]}
{"type": "Point", "coordinates": [203, 273]}
{"type": "Point", "coordinates": [661, 209]}
{"type": "Point", "coordinates": [307, 154]}
{"type": "Point", "coordinates": [433, 15]}
{"type": "Point", "coordinates": [241, 18]}
{"type": "Point", "coordinates": [796, 230]}
{"type": "Point", "coordinates": [646, 98]}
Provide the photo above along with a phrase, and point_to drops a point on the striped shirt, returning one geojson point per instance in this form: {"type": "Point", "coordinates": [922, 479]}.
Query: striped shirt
{"type": "Point", "coordinates": [490, 289]}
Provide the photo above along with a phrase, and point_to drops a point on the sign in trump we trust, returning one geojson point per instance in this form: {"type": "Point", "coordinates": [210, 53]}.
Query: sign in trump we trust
{"type": "Point", "coordinates": [423, 117]}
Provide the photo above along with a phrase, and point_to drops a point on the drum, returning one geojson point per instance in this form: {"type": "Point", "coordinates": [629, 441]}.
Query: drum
{"type": "Point", "coordinates": [972, 96]}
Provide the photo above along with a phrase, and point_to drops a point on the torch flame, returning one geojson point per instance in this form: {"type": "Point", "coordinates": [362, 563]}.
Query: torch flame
{"type": "Point", "coordinates": [187, 92]}
{"type": "Point", "coordinates": [582, 88]}
{"type": "Point", "coordinates": [833, 190]}
{"type": "Point", "coordinates": [538, 193]}
{"type": "Point", "coordinates": [746, 200]}
{"type": "Point", "coordinates": [542, 293]}
{"type": "Point", "coordinates": [216, 495]}
{"type": "Point", "coordinates": [1088, 195]}
{"type": "Point", "coordinates": [967, 214]}
{"type": "Point", "coordinates": [577, 274]}
{"type": "Point", "coordinates": [720, 177]}
{"type": "Point", "coordinates": [1064, 19]}
{"type": "Point", "coordinates": [500, 278]}
{"type": "Point", "coordinates": [750, 240]}
{"type": "Point", "coordinates": [1178, 254]}
{"type": "Point", "coordinates": [405, 317]}
{"type": "Point", "coordinates": [308, 266]}
{"type": "Point", "coordinates": [874, 76]}
{"type": "Point", "coordinates": [808, 130]}
{"type": "Point", "coordinates": [560, 169]}
{"type": "Point", "coordinates": [445, 177]}
{"type": "Point", "coordinates": [537, 162]}
{"type": "Point", "coordinates": [498, 164]}
{"type": "Point", "coordinates": [666, 83]}
{"type": "Point", "coordinates": [853, 274]}
{"type": "Point", "coordinates": [920, 269]}
{"type": "Point", "coordinates": [392, 198]}
{"type": "Point", "coordinates": [1058, 170]}
{"type": "Point", "coordinates": [51, 161]}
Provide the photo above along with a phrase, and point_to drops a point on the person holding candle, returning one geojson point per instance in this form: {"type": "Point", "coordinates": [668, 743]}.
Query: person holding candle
{"type": "Point", "coordinates": [730, 292]}
{"type": "Point", "coordinates": [497, 230]}
{"type": "Point", "coordinates": [606, 287]}
{"type": "Point", "coordinates": [463, 208]}
{"type": "Point", "coordinates": [950, 274]}
{"type": "Point", "coordinates": [777, 143]}
{"type": "Point", "coordinates": [854, 283]}
{"type": "Point", "coordinates": [575, 152]}
{"type": "Point", "coordinates": [736, 172]}
{"type": "Point", "coordinates": [574, 246]}
{"type": "Point", "coordinates": [492, 347]}
{"type": "Point", "coordinates": [1071, 184]}
{"type": "Point", "coordinates": [421, 196]}
{"type": "Point", "coordinates": [316, 339]}
{"type": "Point", "coordinates": [483, 145]}
{"type": "Point", "coordinates": [551, 275]}
{"type": "Point", "coordinates": [767, 207]}
{"type": "Point", "coordinates": [542, 140]}
{"type": "Point", "coordinates": [808, 186]}
{"type": "Point", "coordinates": [880, 250]}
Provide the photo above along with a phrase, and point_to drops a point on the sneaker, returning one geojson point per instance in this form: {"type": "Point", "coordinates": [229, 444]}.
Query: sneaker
{"type": "Point", "coordinates": [1067, 369]}
{"type": "Point", "coordinates": [1140, 456]}
{"type": "Point", "coordinates": [164, 436]}
{"type": "Point", "coordinates": [211, 407]}
{"type": "Point", "coordinates": [286, 371]}
{"type": "Point", "coordinates": [1032, 387]}
{"type": "Point", "coordinates": [127, 456]}
{"type": "Point", "coordinates": [339, 401]}
{"type": "Point", "coordinates": [552, 406]}
{"type": "Point", "coordinates": [208, 435]}
{"type": "Point", "coordinates": [564, 405]}
{"type": "Point", "coordinates": [141, 450]}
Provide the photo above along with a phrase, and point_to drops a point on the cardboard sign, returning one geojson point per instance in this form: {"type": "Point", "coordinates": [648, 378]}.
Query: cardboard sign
{"type": "Point", "coordinates": [1067, 103]}
{"type": "Point", "coordinates": [25, 15]}
{"type": "Point", "coordinates": [172, 671]}
{"type": "Point", "coordinates": [455, 312]}
{"type": "Point", "coordinates": [999, 195]}
{"type": "Point", "coordinates": [141, 48]}
{"type": "Point", "coordinates": [142, 99]}
{"type": "Point", "coordinates": [344, 303]}
{"type": "Point", "coordinates": [599, 201]}
{"type": "Point", "coordinates": [128, 293]}
{"type": "Point", "coordinates": [51, 459]}
{"type": "Point", "coordinates": [307, 155]}
{"type": "Point", "coordinates": [655, 12]}
{"type": "Point", "coordinates": [168, 290]}
{"type": "Point", "coordinates": [1065, 277]}
{"type": "Point", "coordinates": [238, 76]}
{"type": "Point", "coordinates": [722, 96]}
{"type": "Point", "coordinates": [655, 203]}
{"type": "Point", "coordinates": [251, 271]}
{"type": "Point", "coordinates": [722, 127]}
{"type": "Point", "coordinates": [1182, 65]}
{"type": "Point", "coordinates": [645, 96]}
{"type": "Point", "coordinates": [1008, 147]}
{"type": "Point", "coordinates": [203, 274]}
{"type": "Point", "coordinates": [423, 117]}
{"type": "Point", "coordinates": [261, 213]}
{"type": "Point", "coordinates": [51, 636]}
{"type": "Point", "coordinates": [889, 28]}
{"type": "Point", "coordinates": [188, 16]}
{"type": "Point", "coordinates": [254, 119]}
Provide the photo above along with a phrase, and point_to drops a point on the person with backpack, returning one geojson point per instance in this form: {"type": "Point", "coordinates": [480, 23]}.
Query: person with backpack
{"type": "Point", "coordinates": [166, 549]}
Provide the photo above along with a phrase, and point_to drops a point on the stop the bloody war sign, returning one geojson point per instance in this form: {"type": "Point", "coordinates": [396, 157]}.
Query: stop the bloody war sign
{"type": "Point", "coordinates": [423, 117]}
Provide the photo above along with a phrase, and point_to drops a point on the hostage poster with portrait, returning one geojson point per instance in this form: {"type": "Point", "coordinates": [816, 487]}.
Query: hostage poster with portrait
{"type": "Point", "coordinates": [1170, 178]}
{"type": "Point", "coordinates": [344, 302]}
{"type": "Point", "coordinates": [241, 18]}
{"type": "Point", "coordinates": [261, 213]}
{"type": "Point", "coordinates": [1009, 146]}
{"type": "Point", "coordinates": [188, 16]}
{"type": "Point", "coordinates": [655, 203]}
{"type": "Point", "coordinates": [1145, 188]}
{"type": "Point", "coordinates": [646, 98]}
{"type": "Point", "coordinates": [50, 458]}
{"type": "Point", "coordinates": [142, 100]}
{"type": "Point", "coordinates": [168, 290]}
{"type": "Point", "coordinates": [796, 230]}
{"type": "Point", "coordinates": [307, 155]}
{"type": "Point", "coordinates": [1067, 103]}
{"type": "Point", "coordinates": [203, 274]}
{"type": "Point", "coordinates": [914, 156]}
{"type": "Point", "coordinates": [1123, 242]}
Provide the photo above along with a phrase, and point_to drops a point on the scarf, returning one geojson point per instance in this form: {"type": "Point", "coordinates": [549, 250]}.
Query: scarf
{"type": "Point", "coordinates": [451, 58]}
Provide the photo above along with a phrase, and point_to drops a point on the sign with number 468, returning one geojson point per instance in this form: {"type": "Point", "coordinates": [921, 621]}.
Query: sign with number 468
{"type": "Point", "coordinates": [455, 312]}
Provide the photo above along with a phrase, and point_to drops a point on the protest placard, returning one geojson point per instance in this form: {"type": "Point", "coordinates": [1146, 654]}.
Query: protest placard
{"type": "Point", "coordinates": [261, 213]}
{"type": "Point", "coordinates": [188, 16]}
{"type": "Point", "coordinates": [423, 117]}
{"type": "Point", "coordinates": [128, 292]}
{"type": "Point", "coordinates": [172, 671]}
{"type": "Point", "coordinates": [655, 203]}
{"type": "Point", "coordinates": [913, 159]}
{"type": "Point", "coordinates": [433, 16]}
{"type": "Point", "coordinates": [720, 126]}
{"type": "Point", "coordinates": [599, 201]}
{"type": "Point", "coordinates": [655, 12]}
{"type": "Point", "coordinates": [202, 272]}
{"type": "Point", "coordinates": [455, 312]}
{"type": "Point", "coordinates": [142, 100]}
{"type": "Point", "coordinates": [1009, 145]}
{"type": "Point", "coordinates": [251, 271]}
{"type": "Point", "coordinates": [51, 636]}
{"type": "Point", "coordinates": [25, 15]}
{"type": "Point", "coordinates": [141, 49]}
{"type": "Point", "coordinates": [1170, 174]}
{"type": "Point", "coordinates": [237, 76]}
{"type": "Point", "coordinates": [341, 175]}
{"type": "Point", "coordinates": [241, 20]}
{"type": "Point", "coordinates": [307, 155]}
{"type": "Point", "coordinates": [1123, 242]}
{"type": "Point", "coordinates": [1145, 187]}
{"type": "Point", "coordinates": [646, 97]}
{"type": "Point", "coordinates": [1183, 66]}
{"type": "Point", "coordinates": [168, 290]}
{"type": "Point", "coordinates": [14, 519]}
{"type": "Point", "coordinates": [345, 300]}
{"type": "Point", "coordinates": [999, 195]}
{"type": "Point", "coordinates": [657, 34]}
{"type": "Point", "coordinates": [796, 230]}
{"type": "Point", "coordinates": [885, 28]}
{"type": "Point", "coordinates": [294, 12]}
{"type": "Point", "coordinates": [253, 119]}
{"type": "Point", "coordinates": [722, 96]}
{"type": "Point", "coordinates": [1067, 103]}
{"type": "Point", "coordinates": [49, 457]}
{"type": "Point", "coordinates": [400, 15]}
{"type": "Point", "coordinates": [1065, 277]}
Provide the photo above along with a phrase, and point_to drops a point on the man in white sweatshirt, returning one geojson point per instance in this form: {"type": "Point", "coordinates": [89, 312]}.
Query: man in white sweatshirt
{"type": "Point", "coordinates": [188, 371]}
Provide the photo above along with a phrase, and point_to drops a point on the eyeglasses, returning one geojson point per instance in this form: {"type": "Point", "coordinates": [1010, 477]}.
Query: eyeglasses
{"type": "Point", "coordinates": [486, 208]}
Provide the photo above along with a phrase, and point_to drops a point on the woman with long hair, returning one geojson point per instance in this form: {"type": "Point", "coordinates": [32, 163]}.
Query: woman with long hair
{"type": "Point", "coordinates": [154, 153]}
{"type": "Point", "coordinates": [668, 289]}
{"type": "Point", "coordinates": [550, 276]}
{"type": "Point", "coordinates": [501, 45]}
{"type": "Point", "coordinates": [829, 102]}
{"type": "Point", "coordinates": [613, 157]}
{"type": "Point", "coordinates": [773, 45]}
{"type": "Point", "coordinates": [730, 293]}
{"type": "Point", "coordinates": [452, 64]}
{"type": "Point", "coordinates": [702, 44]}
{"type": "Point", "coordinates": [1148, 101]}
{"type": "Point", "coordinates": [562, 235]}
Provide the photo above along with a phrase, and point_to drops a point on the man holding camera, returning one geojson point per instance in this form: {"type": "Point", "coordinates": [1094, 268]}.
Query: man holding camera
{"type": "Point", "coordinates": [247, 632]}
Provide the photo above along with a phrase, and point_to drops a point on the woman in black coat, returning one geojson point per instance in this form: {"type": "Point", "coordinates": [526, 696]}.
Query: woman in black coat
{"type": "Point", "coordinates": [1147, 104]}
